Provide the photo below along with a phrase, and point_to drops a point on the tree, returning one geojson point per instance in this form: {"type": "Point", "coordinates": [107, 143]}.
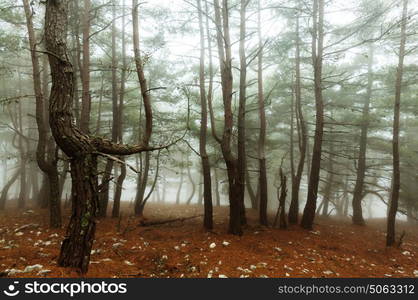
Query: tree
{"type": "Point", "coordinates": [122, 175]}
{"type": "Point", "coordinates": [85, 69]}
{"type": "Point", "coordinates": [396, 183]}
{"type": "Point", "coordinates": [81, 148]}
{"type": "Point", "coordinates": [225, 62]}
{"type": "Point", "coordinates": [361, 164]}
{"type": "Point", "coordinates": [46, 160]}
{"type": "Point", "coordinates": [302, 134]}
{"type": "Point", "coordinates": [207, 185]}
{"type": "Point", "coordinates": [262, 135]}
{"type": "Point", "coordinates": [317, 56]}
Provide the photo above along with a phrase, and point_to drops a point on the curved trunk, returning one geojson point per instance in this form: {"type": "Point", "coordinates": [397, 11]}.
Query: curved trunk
{"type": "Point", "coordinates": [179, 188]}
{"type": "Point", "coordinates": [6, 188]}
{"type": "Point", "coordinates": [189, 175]}
{"type": "Point", "coordinates": [79, 147]}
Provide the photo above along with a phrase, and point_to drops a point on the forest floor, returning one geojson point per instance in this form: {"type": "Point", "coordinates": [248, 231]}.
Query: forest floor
{"type": "Point", "coordinates": [183, 249]}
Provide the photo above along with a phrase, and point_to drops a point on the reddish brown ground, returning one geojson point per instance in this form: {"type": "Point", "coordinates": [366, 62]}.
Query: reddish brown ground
{"type": "Point", "coordinates": [182, 249]}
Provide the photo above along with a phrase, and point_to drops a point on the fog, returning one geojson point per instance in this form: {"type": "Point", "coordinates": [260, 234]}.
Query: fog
{"type": "Point", "coordinates": [170, 49]}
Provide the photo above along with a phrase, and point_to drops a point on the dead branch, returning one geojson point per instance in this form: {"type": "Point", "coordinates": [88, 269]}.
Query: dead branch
{"type": "Point", "coordinates": [153, 223]}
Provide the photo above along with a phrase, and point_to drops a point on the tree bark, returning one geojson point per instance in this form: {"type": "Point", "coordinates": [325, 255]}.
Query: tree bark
{"type": "Point", "coordinates": [207, 182]}
{"type": "Point", "coordinates": [302, 136]}
{"type": "Point", "coordinates": [180, 186]}
{"type": "Point", "coordinates": [85, 78]}
{"type": "Point", "coordinates": [189, 175]}
{"type": "Point", "coordinates": [122, 175]}
{"type": "Point", "coordinates": [81, 149]}
{"type": "Point", "coordinates": [391, 235]}
{"type": "Point", "coordinates": [104, 192]}
{"type": "Point", "coordinates": [142, 185]}
{"type": "Point", "coordinates": [361, 163]}
{"type": "Point", "coordinates": [317, 56]}
{"type": "Point", "coordinates": [263, 192]}
{"type": "Point", "coordinates": [6, 188]}
{"type": "Point", "coordinates": [45, 151]}
{"type": "Point", "coordinates": [225, 62]}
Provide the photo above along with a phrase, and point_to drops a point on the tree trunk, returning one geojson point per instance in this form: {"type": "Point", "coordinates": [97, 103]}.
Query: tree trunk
{"type": "Point", "coordinates": [76, 247]}
{"type": "Point", "coordinates": [85, 78]}
{"type": "Point", "coordinates": [104, 192]}
{"type": "Point", "coordinates": [329, 184]}
{"type": "Point", "coordinates": [250, 190]}
{"type": "Point", "coordinates": [391, 235]}
{"type": "Point", "coordinates": [200, 190]}
{"type": "Point", "coordinates": [361, 164]}
{"type": "Point", "coordinates": [122, 175]}
{"type": "Point", "coordinates": [302, 134]}
{"type": "Point", "coordinates": [225, 61]}
{"type": "Point", "coordinates": [263, 192]}
{"type": "Point", "coordinates": [207, 182]}
{"type": "Point", "coordinates": [317, 53]}
{"type": "Point", "coordinates": [241, 157]}
{"type": "Point", "coordinates": [142, 185]}
{"type": "Point", "coordinates": [218, 196]}
{"type": "Point", "coordinates": [79, 147]}
{"type": "Point", "coordinates": [6, 188]}
{"type": "Point", "coordinates": [189, 175]}
{"type": "Point", "coordinates": [180, 187]}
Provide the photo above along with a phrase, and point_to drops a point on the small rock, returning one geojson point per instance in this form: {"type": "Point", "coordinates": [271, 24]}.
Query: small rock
{"type": "Point", "coordinates": [222, 276]}
{"type": "Point", "coordinates": [43, 272]}
{"type": "Point", "coordinates": [11, 272]}
{"type": "Point", "coordinates": [288, 268]}
{"type": "Point", "coordinates": [127, 262]}
{"type": "Point", "coordinates": [19, 233]}
{"type": "Point", "coordinates": [278, 249]}
{"type": "Point", "coordinates": [327, 272]}
{"type": "Point", "coordinates": [416, 273]}
{"type": "Point", "coordinates": [213, 245]}
{"type": "Point", "coordinates": [116, 245]}
{"type": "Point", "coordinates": [244, 270]}
{"type": "Point", "coordinates": [225, 243]}
{"type": "Point", "coordinates": [33, 268]}
{"type": "Point", "coordinates": [406, 253]}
